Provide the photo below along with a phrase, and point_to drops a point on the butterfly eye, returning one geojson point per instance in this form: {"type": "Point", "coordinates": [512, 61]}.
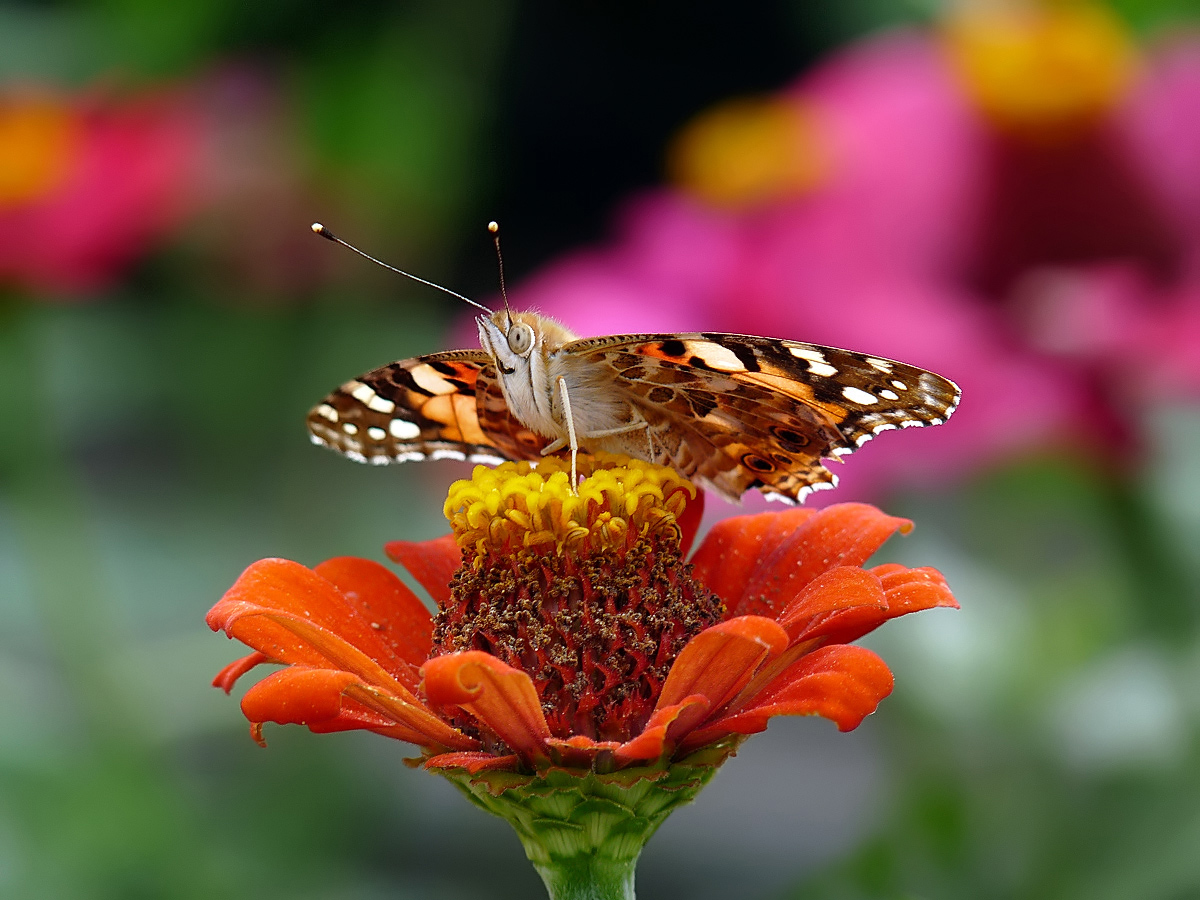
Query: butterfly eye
{"type": "Point", "coordinates": [520, 338]}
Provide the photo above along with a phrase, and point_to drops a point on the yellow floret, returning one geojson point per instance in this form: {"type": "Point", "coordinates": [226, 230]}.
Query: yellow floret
{"type": "Point", "coordinates": [1043, 71]}
{"type": "Point", "coordinates": [523, 504]}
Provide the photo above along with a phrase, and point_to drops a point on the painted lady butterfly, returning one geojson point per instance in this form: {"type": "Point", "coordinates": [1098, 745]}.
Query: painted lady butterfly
{"type": "Point", "coordinates": [731, 411]}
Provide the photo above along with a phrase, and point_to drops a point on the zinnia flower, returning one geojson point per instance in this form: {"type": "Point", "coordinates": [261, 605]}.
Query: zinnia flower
{"type": "Point", "coordinates": [87, 185]}
{"type": "Point", "coordinates": [579, 678]}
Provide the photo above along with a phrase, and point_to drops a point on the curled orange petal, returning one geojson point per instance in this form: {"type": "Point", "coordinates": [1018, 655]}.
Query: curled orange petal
{"type": "Point", "coordinates": [665, 725]}
{"type": "Point", "coordinates": [228, 676]}
{"type": "Point", "coordinates": [499, 696]}
{"type": "Point", "coordinates": [333, 700]}
{"type": "Point", "coordinates": [297, 593]}
{"type": "Point", "coordinates": [833, 592]}
{"type": "Point", "coordinates": [843, 683]}
{"type": "Point", "coordinates": [720, 660]}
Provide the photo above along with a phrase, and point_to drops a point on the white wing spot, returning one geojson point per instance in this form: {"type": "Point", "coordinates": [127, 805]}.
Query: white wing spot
{"type": "Point", "coordinates": [899, 385]}
{"type": "Point", "coordinates": [376, 433]}
{"type": "Point", "coordinates": [889, 395]}
{"type": "Point", "coordinates": [354, 455]}
{"type": "Point", "coordinates": [349, 428]}
{"type": "Point", "coordinates": [381, 405]}
{"type": "Point", "coordinates": [886, 426]}
{"type": "Point", "coordinates": [881, 365]}
{"type": "Point", "coordinates": [854, 395]}
{"type": "Point", "coordinates": [429, 379]}
{"type": "Point", "coordinates": [823, 370]}
{"type": "Point", "coordinates": [717, 357]}
{"type": "Point", "coordinates": [410, 456]}
{"type": "Point", "coordinates": [358, 391]}
{"type": "Point", "coordinates": [807, 353]}
{"type": "Point", "coordinates": [325, 411]}
{"type": "Point", "coordinates": [403, 430]}
{"type": "Point", "coordinates": [448, 454]}
{"type": "Point", "coordinates": [380, 460]}
{"type": "Point", "coordinates": [486, 458]}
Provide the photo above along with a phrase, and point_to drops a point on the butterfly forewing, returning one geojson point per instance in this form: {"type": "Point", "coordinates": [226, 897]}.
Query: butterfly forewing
{"type": "Point", "coordinates": [772, 408]}
{"type": "Point", "coordinates": [422, 408]}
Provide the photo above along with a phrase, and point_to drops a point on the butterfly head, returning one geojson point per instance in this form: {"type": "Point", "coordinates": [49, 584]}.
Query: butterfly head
{"type": "Point", "coordinates": [513, 339]}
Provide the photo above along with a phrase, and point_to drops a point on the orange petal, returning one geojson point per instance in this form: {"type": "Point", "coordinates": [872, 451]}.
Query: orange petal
{"type": "Point", "coordinates": [689, 522]}
{"type": "Point", "coordinates": [911, 590]}
{"type": "Point", "coordinates": [472, 762]}
{"type": "Point", "coordinates": [501, 697]}
{"type": "Point", "coordinates": [730, 552]}
{"type": "Point", "coordinates": [718, 662]}
{"type": "Point", "coordinates": [781, 558]}
{"type": "Point", "coordinates": [331, 700]}
{"type": "Point", "coordinates": [832, 592]}
{"type": "Point", "coordinates": [307, 644]}
{"type": "Point", "coordinates": [432, 563]}
{"type": "Point", "coordinates": [674, 720]}
{"type": "Point", "coordinates": [390, 609]}
{"type": "Point", "coordinates": [229, 675]}
{"type": "Point", "coordinates": [842, 683]}
{"type": "Point", "coordinates": [279, 585]}
{"type": "Point", "coordinates": [297, 696]}
{"type": "Point", "coordinates": [905, 590]}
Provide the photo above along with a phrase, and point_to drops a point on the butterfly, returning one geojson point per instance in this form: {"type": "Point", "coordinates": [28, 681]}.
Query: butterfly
{"type": "Point", "coordinates": [733, 412]}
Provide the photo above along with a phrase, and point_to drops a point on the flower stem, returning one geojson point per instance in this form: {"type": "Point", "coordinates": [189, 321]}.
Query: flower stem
{"type": "Point", "coordinates": [588, 878]}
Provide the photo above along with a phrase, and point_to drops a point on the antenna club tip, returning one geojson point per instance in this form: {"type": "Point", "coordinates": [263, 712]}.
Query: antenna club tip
{"type": "Point", "coordinates": [494, 227]}
{"type": "Point", "coordinates": [320, 229]}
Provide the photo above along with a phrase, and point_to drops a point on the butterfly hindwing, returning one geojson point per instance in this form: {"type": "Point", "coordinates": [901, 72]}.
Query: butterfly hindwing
{"type": "Point", "coordinates": [771, 408]}
{"type": "Point", "coordinates": [421, 408]}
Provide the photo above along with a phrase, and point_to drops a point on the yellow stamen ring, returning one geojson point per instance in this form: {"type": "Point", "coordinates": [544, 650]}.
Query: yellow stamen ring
{"type": "Point", "coordinates": [522, 504]}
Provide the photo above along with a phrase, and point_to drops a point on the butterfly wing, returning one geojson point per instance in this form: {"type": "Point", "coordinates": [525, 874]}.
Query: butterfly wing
{"type": "Point", "coordinates": [740, 412]}
{"type": "Point", "coordinates": [441, 406]}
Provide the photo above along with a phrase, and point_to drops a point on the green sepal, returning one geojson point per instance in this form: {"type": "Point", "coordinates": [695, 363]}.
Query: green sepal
{"type": "Point", "coordinates": [584, 831]}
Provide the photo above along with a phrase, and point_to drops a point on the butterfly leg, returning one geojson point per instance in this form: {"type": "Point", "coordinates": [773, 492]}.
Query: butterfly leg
{"type": "Point", "coordinates": [566, 407]}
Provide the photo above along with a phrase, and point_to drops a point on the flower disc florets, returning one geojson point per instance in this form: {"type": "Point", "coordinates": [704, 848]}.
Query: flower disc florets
{"type": "Point", "coordinates": [585, 591]}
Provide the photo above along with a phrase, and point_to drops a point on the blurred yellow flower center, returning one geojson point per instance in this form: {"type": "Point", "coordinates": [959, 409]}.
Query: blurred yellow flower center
{"type": "Point", "coordinates": [1042, 71]}
{"type": "Point", "coordinates": [37, 140]}
{"type": "Point", "coordinates": [747, 152]}
{"type": "Point", "coordinates": [520, 504]}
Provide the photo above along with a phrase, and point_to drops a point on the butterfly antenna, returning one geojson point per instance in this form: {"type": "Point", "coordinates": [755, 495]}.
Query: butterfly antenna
{"type": "Point", "coordinates": [494, 228]}
{"type": "Point", "coordinates": [324, 232]}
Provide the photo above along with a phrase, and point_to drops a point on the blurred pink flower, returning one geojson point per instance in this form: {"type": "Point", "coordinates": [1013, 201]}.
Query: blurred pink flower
{"type": "Point", "coordinates": [88, 184]}
{"type": "Point", "coordinates": [648, 281]}
{"type": "Point", "coordinates": [988, 202]}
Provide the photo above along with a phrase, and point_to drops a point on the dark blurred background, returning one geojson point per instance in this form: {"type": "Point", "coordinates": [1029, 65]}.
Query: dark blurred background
{"type": "Point", "coordinates": [1005, 193]}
